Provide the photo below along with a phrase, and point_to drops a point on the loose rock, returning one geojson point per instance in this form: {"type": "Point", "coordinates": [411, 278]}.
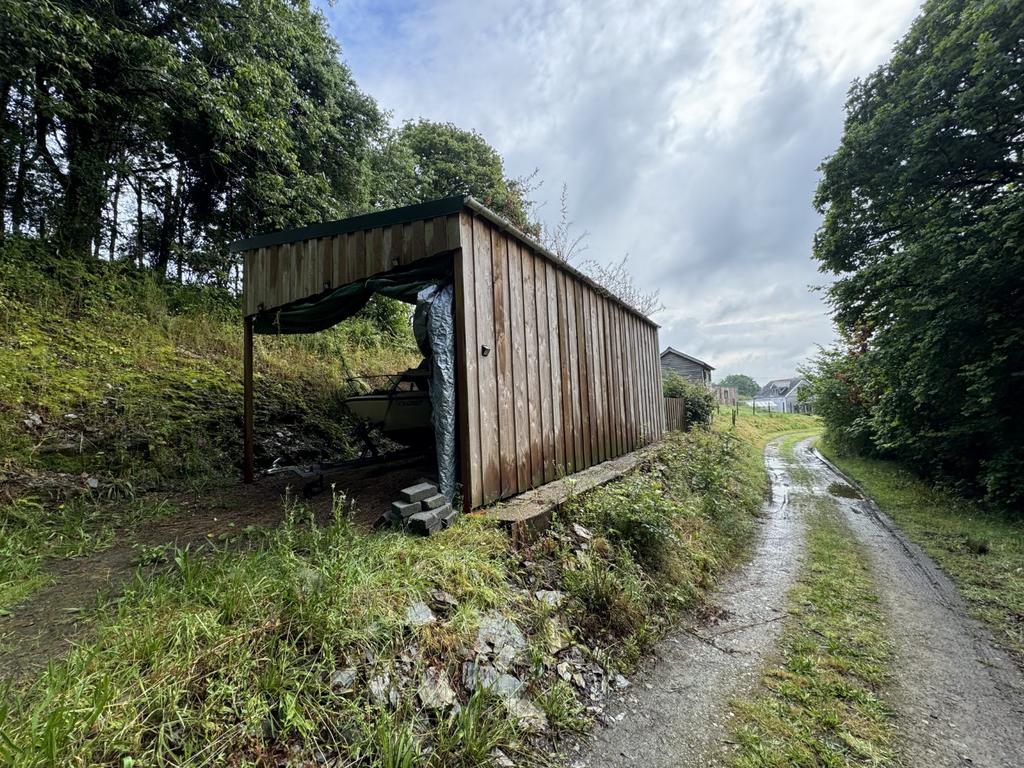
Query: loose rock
{"type": "Point", "coordinates": [507, 686]}
{"type": "Point", "coordinates": [419, 615]}
{"type": "Point", "coordinates": [528, 714]}
{"type": "Point", "coordinates": [551, 597]}
{"type": "Point", "coordinates": [582, 532]}
{"type": "Point", "coordinates": [342, 679]}
{"type": "Point", "coordinates": [382, 692]}
{"type": "Point", "coordinates": [476, 675]}
{"type": "Point", "coordinates": [498, 633]}
{"type": "Point", "coordinates": [435, 692]}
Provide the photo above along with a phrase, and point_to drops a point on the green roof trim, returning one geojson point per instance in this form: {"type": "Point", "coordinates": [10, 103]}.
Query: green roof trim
{"type": "Point", "coordinates": [429, 210]}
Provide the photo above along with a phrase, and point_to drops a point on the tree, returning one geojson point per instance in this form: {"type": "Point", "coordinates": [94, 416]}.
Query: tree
{"type": "Point", "coordinates": [197, 123]}
{"type": "Point", "coordinates": [424, 160]}
{"type": "Point", "coordinates": [923, 208]}
{"type": "Point", "coordinates": [745, 386]}
{"type": "Point", "coordinates": [699, 403]}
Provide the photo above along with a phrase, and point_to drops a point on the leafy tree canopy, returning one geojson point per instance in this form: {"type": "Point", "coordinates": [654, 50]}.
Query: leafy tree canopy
{"type": "Point", "coordinates": [424, 160]}
{"type": "Point", "coordinates": [923, 227]}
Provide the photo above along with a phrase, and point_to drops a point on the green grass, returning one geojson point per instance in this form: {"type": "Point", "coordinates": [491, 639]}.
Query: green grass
{"type": "Point", "coordinates": [758, 428]}
{"type": "Point", "coordinates": [32, 532]}
{"type": "Point", "coordinates": [983, 553]}
{"type": "Point", "coordinates": [112, 377]}
{"type": "Point", "coordinates": [225, 657]}
{"type": "Point", "coordinates": [823, 703]}
{"type": "Point", "coordinates": [106, 370]}
{"type": "Point", "coordinates": [230, 654]}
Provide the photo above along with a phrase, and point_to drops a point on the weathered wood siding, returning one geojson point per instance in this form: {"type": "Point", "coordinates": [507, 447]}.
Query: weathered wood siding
{"type": "Point", "coordinates": [675, 413]}
{"type": "Point", "coordinates": [685, 368]}
{"type": "Point", "coordinates": [557, 376]}
{"type": "Point", "coordinates": [279, 274]}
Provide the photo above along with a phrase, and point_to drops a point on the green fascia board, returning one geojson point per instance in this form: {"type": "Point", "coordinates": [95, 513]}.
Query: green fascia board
{"type": "Point", "coordinates": [429, 210]}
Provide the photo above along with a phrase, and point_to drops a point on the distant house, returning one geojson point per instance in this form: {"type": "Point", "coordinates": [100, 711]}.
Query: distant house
{"type": "Point", "coordinates": [782, 396]}
{"type": "Point", "coordinates": [674, 361]}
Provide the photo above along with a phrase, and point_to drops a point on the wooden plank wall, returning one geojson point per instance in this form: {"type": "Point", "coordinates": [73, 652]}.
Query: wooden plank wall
{"type": "Point", "coordinates": [675, 413]}
{"type": "Point", "coordinates": [570, 378]}
{"type": "Point", "coordinates": [280, 274]}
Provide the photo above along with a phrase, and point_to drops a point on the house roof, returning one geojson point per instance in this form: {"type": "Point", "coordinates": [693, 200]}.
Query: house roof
{"type": "Point", "coordinates": [691, 358]}
{"type": "Point", "coordinates": [779, 387]}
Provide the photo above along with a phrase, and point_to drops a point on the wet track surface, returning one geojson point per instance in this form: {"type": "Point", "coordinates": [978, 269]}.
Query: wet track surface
{"type": "Point", "coordinates": [676, 713]}
{"type": "Point", "coordinates": [959, 699]}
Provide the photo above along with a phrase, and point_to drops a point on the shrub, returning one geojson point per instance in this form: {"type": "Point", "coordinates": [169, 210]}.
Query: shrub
{"type": "Point", "coordinates": [700, 403]}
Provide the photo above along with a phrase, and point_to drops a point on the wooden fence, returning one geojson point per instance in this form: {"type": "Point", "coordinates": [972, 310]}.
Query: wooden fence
{"type": "Point", "coordinates": [675, 413]}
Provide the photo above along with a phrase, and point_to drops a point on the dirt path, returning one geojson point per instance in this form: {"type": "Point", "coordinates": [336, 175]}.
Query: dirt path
{"type": "Point", "coordinates": [679, 707]}
{"type": "Point", "coordinates": [959, 698]}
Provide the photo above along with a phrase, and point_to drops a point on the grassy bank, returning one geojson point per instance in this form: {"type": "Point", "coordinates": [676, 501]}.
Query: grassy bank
{"type": "Point", "coordinates": [758, 428]}
{"type": "Point", "coordinates": [306, 647]}
{"type": "Point", "coordinates": [113, 383]}
{"type": "Point", "coordinates": [822, 704]}
{"type": "Point", "coordinates": [108, 372]}
{"type": "Point", "coordinates": [982, 552]}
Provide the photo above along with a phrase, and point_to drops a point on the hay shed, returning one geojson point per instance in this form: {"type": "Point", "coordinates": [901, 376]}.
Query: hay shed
{"type": "Point", "coordinates": [553, 374]}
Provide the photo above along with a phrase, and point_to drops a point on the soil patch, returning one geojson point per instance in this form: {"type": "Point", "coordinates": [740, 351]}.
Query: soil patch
{"type": "Point", "coordinates": [41, 628]}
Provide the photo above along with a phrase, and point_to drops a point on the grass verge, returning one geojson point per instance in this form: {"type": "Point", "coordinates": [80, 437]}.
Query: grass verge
{"type": "Point", "coordinates": [822, 704]}
{"type": "Point", "coordinates": [983, 553]}
{"type": "Point", "coordinates": [756, 429]}
{"type": "Point", "coordinates": [303, 648]}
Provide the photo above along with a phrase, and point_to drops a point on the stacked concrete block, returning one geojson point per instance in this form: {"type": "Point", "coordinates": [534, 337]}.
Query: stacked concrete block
{"type": "Point", "coordinates": [421, 509]}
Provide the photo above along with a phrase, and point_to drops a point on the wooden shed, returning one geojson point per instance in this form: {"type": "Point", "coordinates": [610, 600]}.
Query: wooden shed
{"type": "Point", "coordinates": [554, 374]}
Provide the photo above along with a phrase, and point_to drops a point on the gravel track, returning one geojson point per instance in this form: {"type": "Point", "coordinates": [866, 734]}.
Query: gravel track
{"type": "Point", "coordinates": [677, 711]}
{"type": "Point", "coordinates": [959, 699]}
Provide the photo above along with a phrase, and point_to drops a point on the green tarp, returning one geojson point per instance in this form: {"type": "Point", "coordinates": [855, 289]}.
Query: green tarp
{"type": "Point", "coordinates": [317, 313]}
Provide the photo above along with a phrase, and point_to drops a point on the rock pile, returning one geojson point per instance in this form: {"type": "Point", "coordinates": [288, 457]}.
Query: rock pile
{"type": "Point", "coordinates": [421, 509]}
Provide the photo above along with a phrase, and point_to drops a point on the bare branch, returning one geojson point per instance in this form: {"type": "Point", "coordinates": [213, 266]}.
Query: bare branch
{"type": "Point", "coordinates": [618, 280]}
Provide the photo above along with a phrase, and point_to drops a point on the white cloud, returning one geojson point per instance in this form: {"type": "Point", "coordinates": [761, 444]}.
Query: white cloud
{"type": "Point", "coordinates": [689, 134]}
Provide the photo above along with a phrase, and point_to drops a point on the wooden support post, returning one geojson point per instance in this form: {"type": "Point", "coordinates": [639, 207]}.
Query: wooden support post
{"type": "Point", "coordinates": [248, 460]}
{"type": "Point", "coordinates": [461, 383]}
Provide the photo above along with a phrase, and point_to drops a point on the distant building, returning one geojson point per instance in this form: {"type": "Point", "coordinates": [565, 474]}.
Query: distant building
{"type": "Point", "coordinates": [726, 395]}
{"type": "Point", "coordinates": [674, 361]}
{"type": "Point", "coordinates": [782, 396]}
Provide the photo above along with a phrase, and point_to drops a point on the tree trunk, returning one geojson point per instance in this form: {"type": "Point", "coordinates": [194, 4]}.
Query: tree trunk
{"type": "Point", "coordinates": [85, 193]}
{"type": "Point", "coordinates": [6, 155]}
{"type": "Point", "coordinates": [138, 221]}
{"type": "Point", "coordinates": [18, 197]}
{"type": "Point", "coordinates": [113, 216]}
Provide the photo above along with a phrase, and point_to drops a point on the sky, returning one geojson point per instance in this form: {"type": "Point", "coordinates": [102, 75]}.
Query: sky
{"type": "Point", "coordinates": [688, 134]}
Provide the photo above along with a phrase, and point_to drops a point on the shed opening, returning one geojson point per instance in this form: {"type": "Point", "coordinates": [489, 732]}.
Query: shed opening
{"type": "Point", "coordinates": [552, 373]}
{"type": "Point", "coordinates": [413, 408]}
